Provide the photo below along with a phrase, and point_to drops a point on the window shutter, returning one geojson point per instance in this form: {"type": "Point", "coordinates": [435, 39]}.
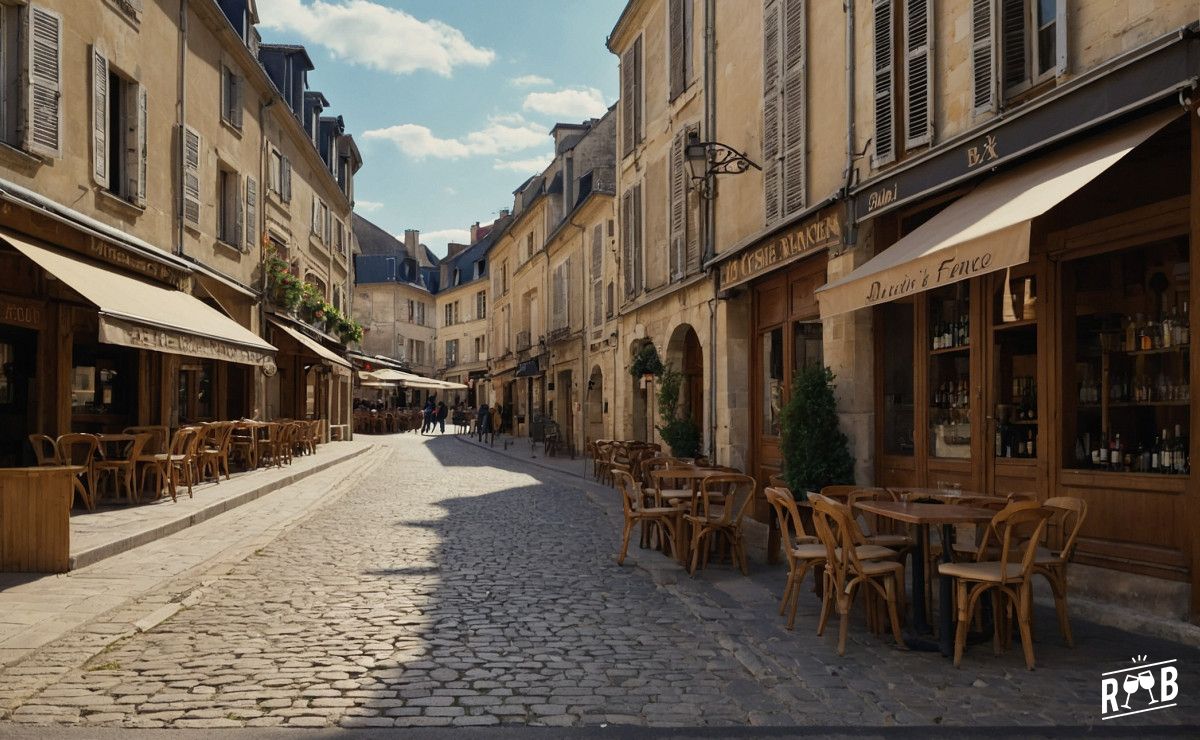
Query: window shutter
{"type": "Point", "coordinates": [143, 133]}
{"type": "Point", "coordinates": [918, 73]}
{"type": "Point", "coordinates": [794, 106]}
{"type": "Point", "coordinates": [691, 223]}
{"type": "Point", "coordinates": [100, 103]}
{"type": "Point", "coordinates": [286, 193]}
{"type": "Point", "coordinates": [627, 242]}
{"type": "Point", "coordinates": [639, 262]}
{"type": "Point", "coordinates": [316, 214]}
{"type": "Point", "coordinates": [238, 100]}
{"type": "Point", "coordinates": [191, 175]}
{"type": "Point", "coordinates": [676, 30]}
{"type": "Point", "coordinates": [597, 275]}
{"type": "Point", "coordinates": [238, 209]}
{"type": "Point", "coordinates": [983, 56]}
{"type": "Point", "coordinates": [772, 127]}
{"type": "Point", "coordinates": [1015, 27]}
{"type": "Point", "coordinates": [43, 130]}
{"type": "Point", "coordinates": [678, 213]}
{"type": "Point", "coordinates": [251, 212]}
{"type": "Point", "coordinates": [884, 82]}
{"type": "Point", "coordinates": [627, 102]}
{"type": "Point", "coordinates": [1060, 39]}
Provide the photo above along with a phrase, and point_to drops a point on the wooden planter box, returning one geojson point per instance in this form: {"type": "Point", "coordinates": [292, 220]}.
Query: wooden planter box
{"type": "Point", "coordinates": [35, 519]}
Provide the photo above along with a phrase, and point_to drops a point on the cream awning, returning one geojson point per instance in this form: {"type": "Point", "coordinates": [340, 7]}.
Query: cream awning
{"type": "Point", "coordinates": [409, 380]}
{"type": "Point", "coordinates": [988, 228]}
{"type": "Point", "coordinates": [339, 363]}
{"type": "Point", "coordinates": [136, 313]}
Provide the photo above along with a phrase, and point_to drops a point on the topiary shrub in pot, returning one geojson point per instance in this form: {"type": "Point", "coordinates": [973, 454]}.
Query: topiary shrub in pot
{"type": "Point", "coordinates": [646, 362]}
{"type": "Point", "coordinates": [815, 451]}
{"type": "Point", "coordinates": [681, 433]}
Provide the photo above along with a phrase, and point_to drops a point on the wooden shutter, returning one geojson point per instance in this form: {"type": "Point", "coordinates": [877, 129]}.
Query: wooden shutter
{"type": "Point", "coordinates": [639, 261]}
{"type": "Point", "coordinates": [286, 172]}
{"type": "Point", "coordinates": [691, 217]}
{"type": "Point", "coordinates": [237, 208]}
{"type": "Point", "coordinates": [100, 103]}
{"type": "Point", "coordinates": [983, 57]}
{"type": "Point", "coordinates": [627, 242]}
{"type": "Point", "coordinates": [251, 212]}
{"type": "Point", "coordinates": [795, 113]}
{"type": "Point", "coordinates": [559, 307]}
{"type": "Point", "coordinates": [678, 211]}
{"type": "Point", "coordinates": [1015, 64]}
{"type": "Point", "coordinates": [628, 93]}
{"type": "Point", "coordinates": [191, 175]}
{"type": "Point", "coordinates": [43, 129]}
{"type": "Point", "coordinates": [133, 138]}
{"type": "Point", "coordinates": [316, 215]}
{"type": "Point", "coordinates": [143, 134]}
{"type": "Point", "coordinates": [918, 72]}
{"type": "Point", "coordinates": [772, 127]}
{"type": "Point", "coordinates": [676, 29]}
{"type": "Point", "coordinates": [597, 275]}
{"type": "Point", "coordinates": [1060, 39]}
{"type": "Point", "coordinates": [238, 100]}
{"type": "Point", "coordinates": [638, 92]}
{"type": "Point", "coordinates": [884, 49]}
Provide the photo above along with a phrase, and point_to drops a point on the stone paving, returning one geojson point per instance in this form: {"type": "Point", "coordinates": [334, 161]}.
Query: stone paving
{"type": "Point", "coordinates": [456, 587]}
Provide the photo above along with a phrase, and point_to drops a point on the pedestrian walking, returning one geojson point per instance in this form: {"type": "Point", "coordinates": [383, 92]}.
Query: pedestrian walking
{"type": "Point", "coordinates": [427, 415]}
{"type": "Point", "coordinates": [442, 410]}
{"type": "Point", "coordinates": [483, 421]}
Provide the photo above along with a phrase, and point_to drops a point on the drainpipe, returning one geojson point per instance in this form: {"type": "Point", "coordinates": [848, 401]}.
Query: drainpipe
{"type": "Point", "coordinates": [182, 107]}
{"type": "Point", "coordinates": [712, 379]}
{"type": "Point", "coordinates": [710, 211]}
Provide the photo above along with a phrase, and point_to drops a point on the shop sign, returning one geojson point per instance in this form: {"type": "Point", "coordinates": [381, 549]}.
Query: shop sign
{"type": "Point", "coordinates": [140, 336]}
{"type": "Point", "coordinates": [21, 312]}
{"type": "Point", "coordinates": [114, 255]}
{"type": "Point", "coordinates": [812, 235]}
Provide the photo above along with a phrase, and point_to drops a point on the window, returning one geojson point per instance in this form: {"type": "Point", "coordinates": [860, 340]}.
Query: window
{"type": "Point", "coordinates": [631, 219]}
{"type": "Point", "coordinates": [451, 352]}
{"type": "Point", "coordinates": [251, 213]}
{"type": "Point", "coordinates": [12, 17]}
{"type": "Point", "coordinates": [118, 131]}
{"type": "Point", "coordinates": [608, 301]}
{"type": "Point", "coordinates": [504, 277]}
{"type": "Point", "coordinates": [412, 311]}
{"type": "Point", "coordinates": [194, 393]}
{"type": "Point", "coordinates": [229, 207]}
{"type": "Point", "coordinates": [560, 296]}
{"type": "Point", "coordinates": [897, 338]}
{"type": "Point", "coordinates": [451, 311]}
{"type": "Point", "coordinates": [784, 111]}
{"type": "Point", "coordinates": [1029, 48]}
{"type": "Point", "coordinates": [680, 60]}
{"type": "Point", "coordinates": [339, 236]}
{"type": "Point", "coordinates": [528, 246]}
{"type": "Point", "coordinates": [481, 304]}
{"type": "Point", "coordinates": [31, 79]}
{"type": "Point", "coordinates": [231, 97]}
{"type": "Point", "coordinates": [910, 106]}
{"type": "Point", "coordinates": [420, 313]}
{"type": "Point", "coordinates": [631, 97]}
{"type": "Point", "coordinates": [597, 276]}
{"type": "Point", "coordinates": [772, 382]}
{"type": "Point", "coordinates": [280, 175]}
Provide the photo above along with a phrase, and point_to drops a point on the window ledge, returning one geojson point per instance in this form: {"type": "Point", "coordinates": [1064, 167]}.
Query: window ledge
{"type": "Point", "coordinates": [15, 156]}
{"type": "Point", "coordinates": [230, 246]}
{"type": "Point", "coordinates": [231, 127]}
{"type": "Point", "coordinates": [106, 199]}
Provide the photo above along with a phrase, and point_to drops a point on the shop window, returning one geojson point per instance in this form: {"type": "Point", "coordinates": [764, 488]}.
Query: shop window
{"type": "Point", "coordinates": [12, 17]}
{"type": "Point", "coordinates": [807, 350]}
{"type": "Point", "coordinates": [1014, 368]}
{"type": "Point", "coordinates": [1127, 360]}
{"type": "Point", "coordinates": [772, 385]}
{"type": "Point", "coordinates": [949, 372]}
{"type": "Point", "coordinates": [7, 381]}
{"type": "Point", "coordinates": [194, 393]}
{"type": "Point", "coordinates": [897, 337]}
{"type": "Point", "coordinates": [99, 383]}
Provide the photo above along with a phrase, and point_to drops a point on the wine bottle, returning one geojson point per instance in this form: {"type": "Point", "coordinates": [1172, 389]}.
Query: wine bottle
{"type": "Point", "coordinates": [1179, 454]}
{"type": "Point", "coordinates": [1164, 455]}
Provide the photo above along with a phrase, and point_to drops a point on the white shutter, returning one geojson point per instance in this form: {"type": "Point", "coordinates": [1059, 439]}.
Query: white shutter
{"type": "Point", "coordinates": [1060, 39]}
{"type": "Point", "coordinates": [100, 102]}
{"type": "Point", "coordinates": [795, 113]}
{"type": "Point", "coordinates": [918, 73]}
{"type": "Point", "coordinates": [191, 175]}
{"type": "Point", "coordinates": [251, 212]}
{"type": "Point", "coordinates": [772, 126]}
{"type": "Point", "coordinates": [985, 95]}
{"type": "Point", "coordinates": [143, 134]}
{"type": "Point", "coordinates": [678, 213]}
{"type": "Point", "coordinates": [43, 129]}
{"type": "Point", "coordinates": [883, 23]}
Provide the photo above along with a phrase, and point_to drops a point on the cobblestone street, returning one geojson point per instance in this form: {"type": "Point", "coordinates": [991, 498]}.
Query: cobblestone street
{"type": "Point", "coordinates": [459, 587]}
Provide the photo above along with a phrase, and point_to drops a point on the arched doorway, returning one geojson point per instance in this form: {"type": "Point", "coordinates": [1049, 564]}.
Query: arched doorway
{"type": "Point", "coordinates": [685, 354]}
{"type": "Point", "coordinates": [594, 413]}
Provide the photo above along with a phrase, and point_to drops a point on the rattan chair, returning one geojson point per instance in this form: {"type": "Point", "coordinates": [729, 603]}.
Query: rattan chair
{"type": "Point", "coordinates": [1066, 520]}
{"type": "Point", "coordinates": [724, 500]}
{"type": "Point", "coordinates": [636, 513]}
{"type": "Point", "coordinates": [803, 551]}
{"type": "Point", "coordinates": [124, 470]}
{"type": "Point", "coordinates": [81, 449]}
{"type": "Point", "coordinates": [45, 449]}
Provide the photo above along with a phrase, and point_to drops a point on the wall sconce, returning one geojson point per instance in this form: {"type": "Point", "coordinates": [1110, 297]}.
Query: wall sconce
{"type": "Point", "coordinates": [711, 158]}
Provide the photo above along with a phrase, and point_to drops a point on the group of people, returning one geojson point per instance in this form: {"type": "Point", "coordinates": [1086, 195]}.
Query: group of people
{"type": "Point", "coordinates": [489, 420]}
{"type": "Point", "coordinates": [492, 420]}
{"type": "Point", "coordinates": [434, 416]}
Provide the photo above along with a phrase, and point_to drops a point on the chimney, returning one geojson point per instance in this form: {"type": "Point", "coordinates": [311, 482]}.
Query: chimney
{"type": "Point", "coordinates": [474, 232]}
{"type": "Point", "coordinates": [503, 213]}
{"type": "Point", "coordinates": [453, 249]}
{"type": "Point", "coordinates": [412, 241]}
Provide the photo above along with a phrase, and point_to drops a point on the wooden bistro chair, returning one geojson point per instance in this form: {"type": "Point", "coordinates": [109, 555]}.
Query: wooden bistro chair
{"type": "Point", "coordinates": [716, 522]}
{"type": "Point", "coordinates": [171, 466]}
{"type": "Point", "coordinates": [124, 469]}
{"type": "Point", "coordinates": [636, 512]}
{"type": "Point", "coordinates": [803, 551]}
{"type": "Point", "coordinates": [1010, 577]}
{"type": "Point", "coordinates": [214, 450]}
{"type": "Point", "coordinates": [847, 568]}
{"type": "Point", "coordinates": [243, 444]}
{"type": "Point", "coordinates": [1066, 519]}
{"type": "Point", "coordinates": [81, 449]}
{"type": "Point", "coordinates": [839, 493]}
{"type": "Point", "coordinates": [45, 449]}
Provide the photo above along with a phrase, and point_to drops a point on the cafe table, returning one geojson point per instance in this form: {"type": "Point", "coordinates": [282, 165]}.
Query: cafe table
{"type": "Point", "coordinates": [924, 515]}
{"type": "Point", "coordinates": [692, 495]}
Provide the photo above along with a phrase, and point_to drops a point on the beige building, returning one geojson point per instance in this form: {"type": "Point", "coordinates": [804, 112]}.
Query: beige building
{"type": "Point", "coordinates": [134, 220]}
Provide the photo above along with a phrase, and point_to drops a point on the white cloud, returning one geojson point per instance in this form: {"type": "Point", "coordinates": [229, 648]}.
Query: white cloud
{"type": "Point", "coordinates": [569, 103]}
{"type": "Point", "coordinates": [438, 239]}
{"type": "Point", "coordinates": [530, 166]}
{"type": "Point", "coordinates": [501, 135]}
{"type": "Point", "coordinates": [530, 81]}
{"type": "Point", "coordinates": [367, 205]}
{"type": "Point", "coordinates": [375, 36]}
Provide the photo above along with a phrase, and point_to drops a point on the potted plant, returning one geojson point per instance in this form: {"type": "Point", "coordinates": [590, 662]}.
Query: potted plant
{"type": "Point", "coordinates": [311, 303]}
{"type": "Point", "coordinates": [333, 317]}
{"type": "Point", "coordinates": [289, 292]}
{"type": "Point", "coordinates": [815, 451]}
{"type": "Point", "coordinates": [646, 363]}
{"type": "Point", "coordinates": [681, 433]}
{"type": "Point", "coordinates": [349, 331]}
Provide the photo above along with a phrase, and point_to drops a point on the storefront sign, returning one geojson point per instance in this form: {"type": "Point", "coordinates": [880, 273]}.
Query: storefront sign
{"type": "Point", "coordinates": [140, 336]}
{"type": "Point", "coordinates": [114, 255]}
{"type": "Point", "coordinates": [21, 312]}
{"type": "Point", "coordinates": [812, 235]}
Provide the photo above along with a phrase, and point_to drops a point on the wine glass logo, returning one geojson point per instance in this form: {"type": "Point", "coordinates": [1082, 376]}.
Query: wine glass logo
{"type": "Point", "coordinates": [1130, 686]}
{"type": "Point", "coordinates": [1161, 676]}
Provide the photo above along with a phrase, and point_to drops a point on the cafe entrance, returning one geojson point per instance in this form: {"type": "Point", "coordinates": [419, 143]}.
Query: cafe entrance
{"type": "Point", "coordinates": [18, 353]}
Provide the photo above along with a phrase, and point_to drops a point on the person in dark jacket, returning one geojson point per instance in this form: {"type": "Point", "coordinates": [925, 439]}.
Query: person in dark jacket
{"type": "Point", "coordinates": [441, 413]}
{"type": "Point", "coordinates": [483, 421]}
{"type": "Point", "coordinates": [428, 415]}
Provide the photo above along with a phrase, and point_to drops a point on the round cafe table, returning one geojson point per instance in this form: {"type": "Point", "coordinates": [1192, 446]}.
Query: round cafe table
{"type": "Point", "coordinates": [923, 516]}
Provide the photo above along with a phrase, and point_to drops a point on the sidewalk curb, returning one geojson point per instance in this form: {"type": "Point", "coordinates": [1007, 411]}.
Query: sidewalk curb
{"type": "Point", "coordinates": [109, 549]}
{"type": "Point", "coordinates": [529, 460]}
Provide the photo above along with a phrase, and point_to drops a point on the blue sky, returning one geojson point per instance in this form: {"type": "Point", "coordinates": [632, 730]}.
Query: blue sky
{"type": "Point", "coordinates": [450, 101]}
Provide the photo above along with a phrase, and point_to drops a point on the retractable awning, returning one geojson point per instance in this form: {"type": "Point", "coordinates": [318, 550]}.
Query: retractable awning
{"type": "Point", "coordinates": [988, 228]}
{"type": "Point", "coordinates": [313, 345]}
{"type": "Point", "coordinates": [136, 313]}
{"type": "Point", "coordinates": [409, 380]}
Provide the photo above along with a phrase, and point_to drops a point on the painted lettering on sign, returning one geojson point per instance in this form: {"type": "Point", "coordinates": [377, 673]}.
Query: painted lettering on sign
{"type": "Point", "coordinates": [948, 270]}
{"type": "Point", "coordinates": [877, 199]}
{"type": "Point", "coordinates": [20, 312]}
{"type": "Point", "coordinates": [117, 256]}
{"type": "Point", "coordinates": [983, 152]}
{"type": "Point", "coordinates": [809, 236]}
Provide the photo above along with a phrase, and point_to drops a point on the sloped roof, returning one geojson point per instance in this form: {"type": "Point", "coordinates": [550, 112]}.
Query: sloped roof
{"type": "Point", "coordinates": [374, 240]}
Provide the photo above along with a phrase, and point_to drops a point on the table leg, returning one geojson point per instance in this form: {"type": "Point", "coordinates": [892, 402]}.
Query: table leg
{"type": "Point", "coordinates": [920, 619]}
{"type": "Point", "coordinates": [946, 597]}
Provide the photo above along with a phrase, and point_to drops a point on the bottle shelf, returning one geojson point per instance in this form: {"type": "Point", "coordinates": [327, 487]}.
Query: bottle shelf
{"type": "Point", "coordinates": [950, 350]}
{"type": "Point", "coordinates": [1018, 324]}
{"type": "Point", "coordinates": [1177, 349]}
{"type": "Point", "coordinates": [1133, 404]}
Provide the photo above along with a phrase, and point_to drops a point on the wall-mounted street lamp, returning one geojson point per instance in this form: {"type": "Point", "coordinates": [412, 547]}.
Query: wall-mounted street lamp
{"type": "Point", "coordinates": [711, 158]}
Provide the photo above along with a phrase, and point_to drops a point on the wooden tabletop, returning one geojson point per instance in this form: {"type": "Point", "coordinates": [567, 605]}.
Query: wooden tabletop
{"type": "Point", "coordinates": [911, 513]}
{"type": "Point", "coordinates": [690, 473]}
